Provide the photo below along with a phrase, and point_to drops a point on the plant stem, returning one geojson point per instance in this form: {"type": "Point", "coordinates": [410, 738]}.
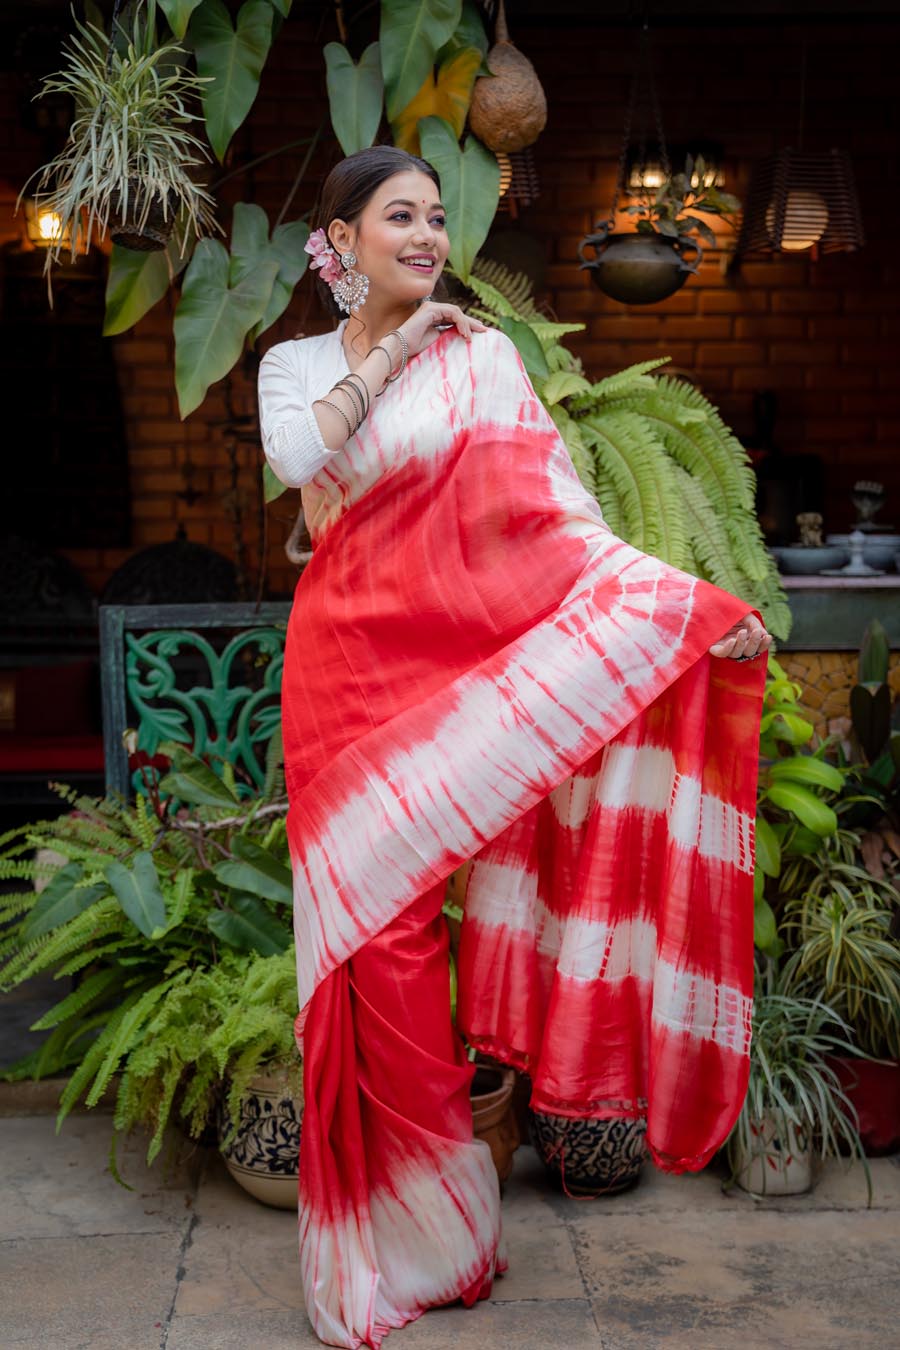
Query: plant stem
{"type": "Point", "coordinates": [326, 121]}
{"type": "Point", "coordinates": [251, 164]}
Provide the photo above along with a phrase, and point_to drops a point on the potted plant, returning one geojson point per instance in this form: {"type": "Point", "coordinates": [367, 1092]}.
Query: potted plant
{"type": "Point", "coordinates": [126, 163]}
{"type": "Point", "coordinates": [649, 265]}
{"type": "Point", "coordinates": [795, 1110]}
{"type": "Point", "coordinates": [840, 900]}
{"type": "Point", "coordinates": [137, 904]}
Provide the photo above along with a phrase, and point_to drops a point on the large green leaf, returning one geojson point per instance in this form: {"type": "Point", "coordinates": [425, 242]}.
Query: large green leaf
{"type": "Point", "coordinates": [768, 849]}
{"type": "Point", "coordinates": [807, 769]}
{"type": "Point", "coordinates": [251, 246]}
{"type": "Point", "coordinates": [138, 891]}
{"type": "Point", "coordinates": [470, 188]}
{"type": "Point", "coordinates": [136, 281]}
{"type": "Point", "coordinates": [234, 57]}
{"type": "Point", "coordinates": [529, 348]}
{"type": "Point", "coordinates": [469, 32]}
{"type": "Point", "coordinates": [355, 95]}
{"type": "Point", "coordinates": [809, 809]}
{"type": "Point", "coordinates": [248, 925]}
{"type": "Point", "coordinates": [258, 871]}
{"type": "Point", "coordinates": [178, 12]}
{"type": "Point", "coordinates": [213, 318]}
{"type": "Point", "coordinates": [61, 900]}
{"type": "Point", "coordinates": [195, 782]}
{"type": "Point", "coordinates": [273, 488]}
{"type": "Point", "coordinates": [765, 929]}
{"type": "Point", "coordinates": [412, 32]}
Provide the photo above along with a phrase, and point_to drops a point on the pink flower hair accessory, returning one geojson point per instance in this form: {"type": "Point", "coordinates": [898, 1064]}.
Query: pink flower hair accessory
{"type": "Point", "coordinates": [324, 257]}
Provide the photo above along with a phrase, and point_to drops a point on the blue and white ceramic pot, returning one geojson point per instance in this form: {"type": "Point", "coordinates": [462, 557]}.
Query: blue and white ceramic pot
{"type": "Point", "coordinates": [590, 1157]}
{"type": "Point", "coordinates": [264, 1155]}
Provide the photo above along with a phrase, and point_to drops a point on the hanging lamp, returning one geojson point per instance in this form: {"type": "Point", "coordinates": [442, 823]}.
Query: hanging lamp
{"type": "Point", "coordinates": [801, 201]}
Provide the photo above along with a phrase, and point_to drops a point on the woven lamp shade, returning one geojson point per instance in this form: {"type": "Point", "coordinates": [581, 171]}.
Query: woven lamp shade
{"type": "Point", "coordinates": [519, 182]}
{"type": "Point", "coordinates": [798, 201]}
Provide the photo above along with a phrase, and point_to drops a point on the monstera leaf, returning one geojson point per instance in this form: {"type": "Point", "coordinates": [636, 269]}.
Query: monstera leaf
{"type": "Point", "coordinates": [470, 188]}
{"type": "Point", "coordinates": [234, 57]}
{"type": "Point", "coordinates": [251, 246]}
{"type": "Point", "coordinates": [412, 33]}
{"type": "Point", "coordinates": [213, 318]}
{"type": "Point", "coordinates": [446, 94]}
{"type": "Point", "coordinates": [355, 95]}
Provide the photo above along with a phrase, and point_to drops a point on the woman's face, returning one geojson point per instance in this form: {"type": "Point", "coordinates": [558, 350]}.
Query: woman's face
{"type": "Point", "coordinates": [403, 219]}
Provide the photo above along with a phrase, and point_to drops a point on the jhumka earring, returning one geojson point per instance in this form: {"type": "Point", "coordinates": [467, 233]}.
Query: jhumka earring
{"type": "Point", "coordinates": [351, 291]}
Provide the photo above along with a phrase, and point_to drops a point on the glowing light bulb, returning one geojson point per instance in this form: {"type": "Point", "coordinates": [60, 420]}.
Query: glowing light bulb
{"type": "Point", "coordinates": [805, 221]}
{"type": "Point", "coordinates": [50, 225]}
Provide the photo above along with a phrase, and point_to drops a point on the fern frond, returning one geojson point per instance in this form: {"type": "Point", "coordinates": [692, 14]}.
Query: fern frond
{"type": "Point", "coordinates": [92, 990]}
{"type": "Point", "coordinates": [626, 381]}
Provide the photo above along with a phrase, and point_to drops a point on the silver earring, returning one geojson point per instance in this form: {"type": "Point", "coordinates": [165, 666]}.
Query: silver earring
{"type": "Point", "coordinates": [351, 291]}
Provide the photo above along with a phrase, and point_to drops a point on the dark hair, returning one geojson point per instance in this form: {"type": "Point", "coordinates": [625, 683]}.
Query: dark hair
{"type": "Point", "coordinates": [348, 189]}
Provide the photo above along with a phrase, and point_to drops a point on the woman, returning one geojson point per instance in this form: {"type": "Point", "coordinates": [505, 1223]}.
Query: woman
{"type": "Point", "coordinates": [477, 668]}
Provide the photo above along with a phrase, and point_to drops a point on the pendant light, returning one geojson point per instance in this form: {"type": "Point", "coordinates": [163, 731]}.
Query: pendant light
{"type": "Point", "coordinates": [801, 201]}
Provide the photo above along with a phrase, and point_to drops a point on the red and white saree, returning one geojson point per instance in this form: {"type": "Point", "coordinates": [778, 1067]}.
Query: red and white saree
{"type": "Point", "coordinates": [477, 668]}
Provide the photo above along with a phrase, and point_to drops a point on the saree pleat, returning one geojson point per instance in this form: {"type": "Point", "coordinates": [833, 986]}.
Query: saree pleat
{"type": "Point", "coordinates": [399, 1204]}
{"type": "Point", "coordinates": [476, 667]}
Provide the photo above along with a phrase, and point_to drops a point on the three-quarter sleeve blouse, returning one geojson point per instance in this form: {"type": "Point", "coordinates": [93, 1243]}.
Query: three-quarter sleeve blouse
{"type": "Point", "coordinates": [292, 440]}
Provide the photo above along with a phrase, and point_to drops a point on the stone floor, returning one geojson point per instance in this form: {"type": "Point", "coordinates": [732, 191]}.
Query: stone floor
{"type": "Point", "coordinates": [189, 1262]}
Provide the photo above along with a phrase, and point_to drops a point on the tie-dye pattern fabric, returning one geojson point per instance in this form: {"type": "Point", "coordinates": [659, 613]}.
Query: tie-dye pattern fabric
{"type": "Point", "coordinates": [476, 667]}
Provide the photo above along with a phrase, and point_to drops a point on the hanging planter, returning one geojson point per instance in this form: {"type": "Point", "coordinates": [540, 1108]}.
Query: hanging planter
{"type": "Point", "coordinates": [508, 108]}
{"type": "Point", "coordinates": [144, 228]}
{"type": "Point", "coordinates": [128, 163]}
{"type": "Point", "coordinates": [639, 269]}
{"type": "Point", "coordinates": [651, 264]}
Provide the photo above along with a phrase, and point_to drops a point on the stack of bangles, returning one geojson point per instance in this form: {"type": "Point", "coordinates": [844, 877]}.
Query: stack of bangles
{"type": "Point", "coordinates": [358, 394]}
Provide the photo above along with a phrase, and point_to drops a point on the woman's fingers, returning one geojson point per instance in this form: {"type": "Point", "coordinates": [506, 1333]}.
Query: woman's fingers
{"type": "Point", "coordinates": [747, 638]}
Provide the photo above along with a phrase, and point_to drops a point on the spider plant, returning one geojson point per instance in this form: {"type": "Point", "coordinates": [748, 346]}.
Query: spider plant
{"type": "Point", "coordinates": [128, 150]}
{"type": "Point", "coordinates": [841, 929]}
{"type": "Point", "coordinates": [793, 1092]}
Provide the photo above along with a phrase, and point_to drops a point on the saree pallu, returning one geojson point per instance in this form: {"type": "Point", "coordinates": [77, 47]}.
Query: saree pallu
{"type": "Point", "coordinates": [477, 668]}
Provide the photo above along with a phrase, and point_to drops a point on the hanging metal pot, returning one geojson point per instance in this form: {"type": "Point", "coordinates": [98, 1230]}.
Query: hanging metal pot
{"type": "Point", "coordinates": [638, 269]}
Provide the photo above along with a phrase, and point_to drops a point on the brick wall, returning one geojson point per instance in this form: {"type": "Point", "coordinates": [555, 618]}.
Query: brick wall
{"type": "Point", "coordinates": [824, 334]}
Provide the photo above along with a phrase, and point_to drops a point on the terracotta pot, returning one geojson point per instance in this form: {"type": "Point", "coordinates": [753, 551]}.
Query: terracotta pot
{"type": "Point", "coordinates": [264, 1155]}
{"type": "Point", "coordinates": [590, 1157]}
{"type": "Point", "coordinates": [874, 1090]}
{"type": "Point", "coordinates": [492, 1114]}
{"type": "Point", "coordinates": [781, 1162]}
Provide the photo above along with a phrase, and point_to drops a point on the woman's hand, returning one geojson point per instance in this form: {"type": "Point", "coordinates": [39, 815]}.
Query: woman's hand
{"type": "Point", "coordinates": [420, 330]}
{"type": "Point", "coordinates": [745, 639]}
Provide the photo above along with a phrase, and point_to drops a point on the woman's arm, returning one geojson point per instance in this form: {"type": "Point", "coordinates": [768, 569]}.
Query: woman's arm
{"type": "Point", "coordinates": [300, 437]}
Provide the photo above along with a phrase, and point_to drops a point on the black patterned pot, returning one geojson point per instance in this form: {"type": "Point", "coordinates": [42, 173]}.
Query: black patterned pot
{"type": "Point", "coordinates": [264, 1155]}
{"type": "Point", "coordinates": [150, 235]}
{"type": "Point", "coordinates": [590, 1157]}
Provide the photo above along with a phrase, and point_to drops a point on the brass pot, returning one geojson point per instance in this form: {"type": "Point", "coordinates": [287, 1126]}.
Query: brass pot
{"type": "Point", "coordinates": [638, 269]}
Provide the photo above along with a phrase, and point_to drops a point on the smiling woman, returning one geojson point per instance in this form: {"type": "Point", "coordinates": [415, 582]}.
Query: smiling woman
{"type": "Point", "coordinates": [476, 667]}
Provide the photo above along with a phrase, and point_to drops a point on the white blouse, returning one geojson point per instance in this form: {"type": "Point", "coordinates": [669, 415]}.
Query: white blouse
{"type": "Point", "coordinates": [291, 375]}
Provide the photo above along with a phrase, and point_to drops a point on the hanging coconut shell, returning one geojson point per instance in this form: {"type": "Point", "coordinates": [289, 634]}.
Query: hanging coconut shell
{"type": "Point", "coordinates": [508, 109]}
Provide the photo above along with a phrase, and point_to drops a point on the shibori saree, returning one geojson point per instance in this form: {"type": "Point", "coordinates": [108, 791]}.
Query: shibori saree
{"type": "Point", "coordinates": [477, 668]}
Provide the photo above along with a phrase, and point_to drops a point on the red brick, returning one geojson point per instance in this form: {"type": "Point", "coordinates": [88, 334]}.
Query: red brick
{"type": "Point", "coordinates": [733, 301]}
{"type": "Point", "coordinates": [805, 302]}
{"type": "Point", "coordinates": [167, 433]}
{"type": "Point", "coordinates": [888, 429]}
{"type": "Point", "coordinates": [870, 353]}
{"type": "Point", "coordinates": [699, 328]}
{"type": "Point", "coordinates": [879, 300]}
{"type": "Point", "coordinates": [146, 457]}
{"type": "Point", "coordinates": [842, 326]}
{"type": "Point", "coordinates": [840, 377]}
{"type": "Point", "coordinates": [768, 326]}
{"type": "Point", "coordinates": [146, 405]}
{"type": "Point", "coordinates": [785, 276]}
{"type": "Point", "coordinates": [768, 377]}
{"type": "Point", "coordinates": [731, 354]}
{"type": "Point", "coordinates": [804, 353]}
{"type": "Point", "coordinates": [142, 351]}
{"type": "Point", "coordinates": [834, 429]}
{"type": "Point", "coordinates": [153, 508]}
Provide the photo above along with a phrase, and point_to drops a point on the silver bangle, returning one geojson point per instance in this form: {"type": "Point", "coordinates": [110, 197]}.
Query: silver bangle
{"type": "Point", "coordinates": [350, 429]}
{"type": "Point", "coordinates": [405, 345]}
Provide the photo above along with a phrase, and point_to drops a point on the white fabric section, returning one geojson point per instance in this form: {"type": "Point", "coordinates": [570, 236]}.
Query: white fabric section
{"type": "Point", "coordinates": [340, 1277]}
{"type": "Point", "coordinates": [645, 777]}
{"type": "Point", "coordinates": [585, 950]}
{"type": "Point", "coordinates": [435, 1228]}
{"type": "Point", "coordinates": [291, 437]}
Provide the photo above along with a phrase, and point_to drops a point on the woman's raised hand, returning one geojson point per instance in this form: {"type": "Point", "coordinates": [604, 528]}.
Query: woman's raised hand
{"type": "Point", "coordinates": [744, 639]}
{"type": "Point", "coordinates": [420, 330]}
